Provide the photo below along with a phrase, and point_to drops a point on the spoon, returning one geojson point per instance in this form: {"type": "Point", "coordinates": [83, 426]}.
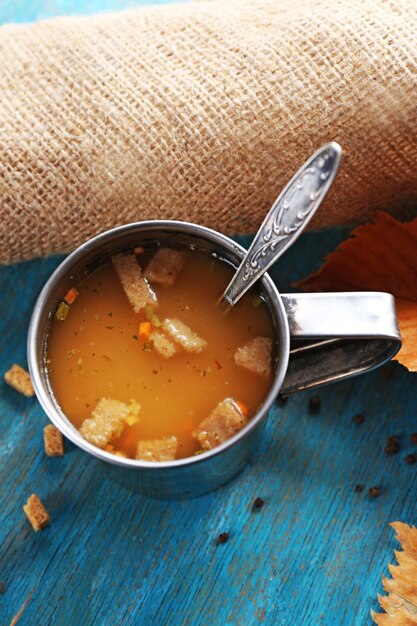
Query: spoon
{"type": "Point", "coordinates": [286, 219]}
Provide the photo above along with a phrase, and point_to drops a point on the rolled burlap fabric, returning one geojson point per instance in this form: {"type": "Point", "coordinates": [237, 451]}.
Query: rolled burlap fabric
{"type": "Point", "coordinates": [202, 112]}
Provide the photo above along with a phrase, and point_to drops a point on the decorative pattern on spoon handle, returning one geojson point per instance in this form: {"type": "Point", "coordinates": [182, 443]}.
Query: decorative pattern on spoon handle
{"type": "Point", "coordinates": [287, 218]}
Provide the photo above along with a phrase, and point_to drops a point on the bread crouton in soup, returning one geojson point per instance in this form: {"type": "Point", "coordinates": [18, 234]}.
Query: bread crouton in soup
{"type": "Point", "coordinates": [162, 344]}
{"type": "Point", "coordinates": [164, 266]}
{"type": "Point", "coordinates": [106, 422]}
{"type": "Point", "coordinates": [135, 286]}
{"type": "Point", "coordinates": [226, 419]}
{"type": "Point", "coordinates": [256, 356]}
{"type": "Point", "coordinates": [183, 335]}
{"type": "Point", "coordinates": [157, 449]}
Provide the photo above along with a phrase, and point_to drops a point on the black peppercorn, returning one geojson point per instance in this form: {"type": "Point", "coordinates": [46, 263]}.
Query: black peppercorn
{"type": "Point", "coordinates": [392, 446]}
{"type": "Point", "coordinates": [257, 504]}
{"type": "Point", "coordinates": [374, 492]}
{"type": "Point", "coordinates": [314, 404]}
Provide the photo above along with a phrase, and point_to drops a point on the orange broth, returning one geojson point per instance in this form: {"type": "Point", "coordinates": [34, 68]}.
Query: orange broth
{"type": "Point", "coordinates": [97, 352]}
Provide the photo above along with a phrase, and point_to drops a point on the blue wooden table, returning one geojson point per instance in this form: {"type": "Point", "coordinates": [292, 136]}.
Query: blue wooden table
{"type": "Point", "coordinates": [314, 554]}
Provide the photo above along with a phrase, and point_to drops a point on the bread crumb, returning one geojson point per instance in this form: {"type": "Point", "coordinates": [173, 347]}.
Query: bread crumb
{"type": "Point", "coordinates": [162, 345]}
{"type": "Point", "coordinates": [135, 286]}
{"type": "Point", "coordinates": [226, 419]}
{"type": "Point", "coordinates": [53, 441]}
{"type": "Point", "coordinates": [165, 266]}
{"type": "Point", "coordinates": [255, 356]}
{"type": "Point", "coordinates": [36, 513]}
{"type": "Point", "coordinates": [19, 379]}
{"type": "Point", "coordinates": [183, 335]}
{"type": "Point", "coordinates": [157, 449]}
{"type": "Point", "coordinates": [107, 421]}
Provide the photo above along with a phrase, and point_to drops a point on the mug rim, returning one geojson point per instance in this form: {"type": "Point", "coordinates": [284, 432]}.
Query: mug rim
{"type": "Point", "coordinates": [47, 398]}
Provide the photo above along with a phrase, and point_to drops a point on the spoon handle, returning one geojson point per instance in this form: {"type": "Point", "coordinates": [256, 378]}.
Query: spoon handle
{"type": "Point", "coordinates": [287, 218]}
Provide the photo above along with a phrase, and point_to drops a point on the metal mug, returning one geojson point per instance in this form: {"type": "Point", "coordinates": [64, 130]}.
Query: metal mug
{"type": "Point", "coordinates": [342, 334]}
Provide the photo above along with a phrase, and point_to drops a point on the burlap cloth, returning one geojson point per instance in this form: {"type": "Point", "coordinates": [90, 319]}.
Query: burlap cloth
{"type": "Point", "coordinates": [202, 112]}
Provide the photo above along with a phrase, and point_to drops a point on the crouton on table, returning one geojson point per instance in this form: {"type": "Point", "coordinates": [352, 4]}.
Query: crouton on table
{"type": "Point", "coordinates": [36, 513]}
{"type": "Point", "coordinates": [107, 421]}
{"type": "Point", "coordinates": [19, 379]}
{"type": "Point", "coordinates": [183, 335]}
{"type": "Point", "coordinates": [135, 286]}
{"type": "Point", "coordinates": [157, 449]}
{"type": "Point", "coordinates": [223, 422]}
{"type": "Point", "coordinates": [165, 266]}
{"type": "Point", "coordinates": [53, 441]}
{"type": "Point", "coordinates": [255, 356]}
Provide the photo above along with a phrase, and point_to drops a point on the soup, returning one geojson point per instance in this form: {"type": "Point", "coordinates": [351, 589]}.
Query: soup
{"type": "Point", "coordinates": [145, 362]}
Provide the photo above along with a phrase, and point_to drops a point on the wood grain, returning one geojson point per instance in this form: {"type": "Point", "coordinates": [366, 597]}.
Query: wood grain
{"type": "Point", "coordinates": [314, 554]}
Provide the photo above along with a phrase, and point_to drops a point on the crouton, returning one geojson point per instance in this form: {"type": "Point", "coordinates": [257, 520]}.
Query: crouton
{"type": "Point", "coordinates": [135, 286]}
{"type": "Point", "coordinates": [165, 266]}
{"type": "Point", "coordinates": [162, 345]}
{"type": "Point", "coordinates": [107, 421]}
{"type": "Point", "coordinates": [134, 410]}
{"type": "Point", "coordinates": [157, 449]}
{"type": "Point", "coordinates": [53, 441]}
{"type": "Point", "coordinates": [36, 513]}
{"type": "Point", "coordinates": [19, 379]}
{"type": "Point", "coordinates": [183, 335]}
{"type": "Point", "coordinates": [255, 356]}
{"type": "Point", "coordinates": [222, 423]}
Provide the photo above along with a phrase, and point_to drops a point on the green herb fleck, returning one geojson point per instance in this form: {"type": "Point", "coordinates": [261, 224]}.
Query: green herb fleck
{"type": "Point", "coordinates": [152, 317]}
{"type": "Point", "coordinates": [62, 311]}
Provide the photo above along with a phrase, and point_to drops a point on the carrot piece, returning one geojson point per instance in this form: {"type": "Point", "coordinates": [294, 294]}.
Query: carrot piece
{"type": "Point", "coordinates": [139, 250]}
{"type": "Point", "coordinates": [242, 406]}
{"type": "Point", "coordinates": [71, 295]}
{"type": "Point", "coordinates": [108, 447]}
{"type": "Point", "coordinates": [145, 329]}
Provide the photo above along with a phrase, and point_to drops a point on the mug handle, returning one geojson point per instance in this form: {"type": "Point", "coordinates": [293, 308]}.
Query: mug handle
{"type": "Point", "coordinates": [338, 335]}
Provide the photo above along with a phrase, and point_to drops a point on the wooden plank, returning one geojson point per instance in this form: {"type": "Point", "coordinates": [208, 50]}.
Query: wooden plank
{"type": "Point", "coordinates": [313, 555]}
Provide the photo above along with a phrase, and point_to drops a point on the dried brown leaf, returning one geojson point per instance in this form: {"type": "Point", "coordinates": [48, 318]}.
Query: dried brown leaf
{"type": "Point", "coordinates": [395, 605]}
{"type": "Point", "coordinates": [378, 257]}
{"type": "Point", "coordinates": [407, 536]}
{"type": "Point", "coordinates": [400, 605]}
{"type": "Point", "coordinates": [384, 619]}
{"type": "Point", "coordinates": [407, 317]}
